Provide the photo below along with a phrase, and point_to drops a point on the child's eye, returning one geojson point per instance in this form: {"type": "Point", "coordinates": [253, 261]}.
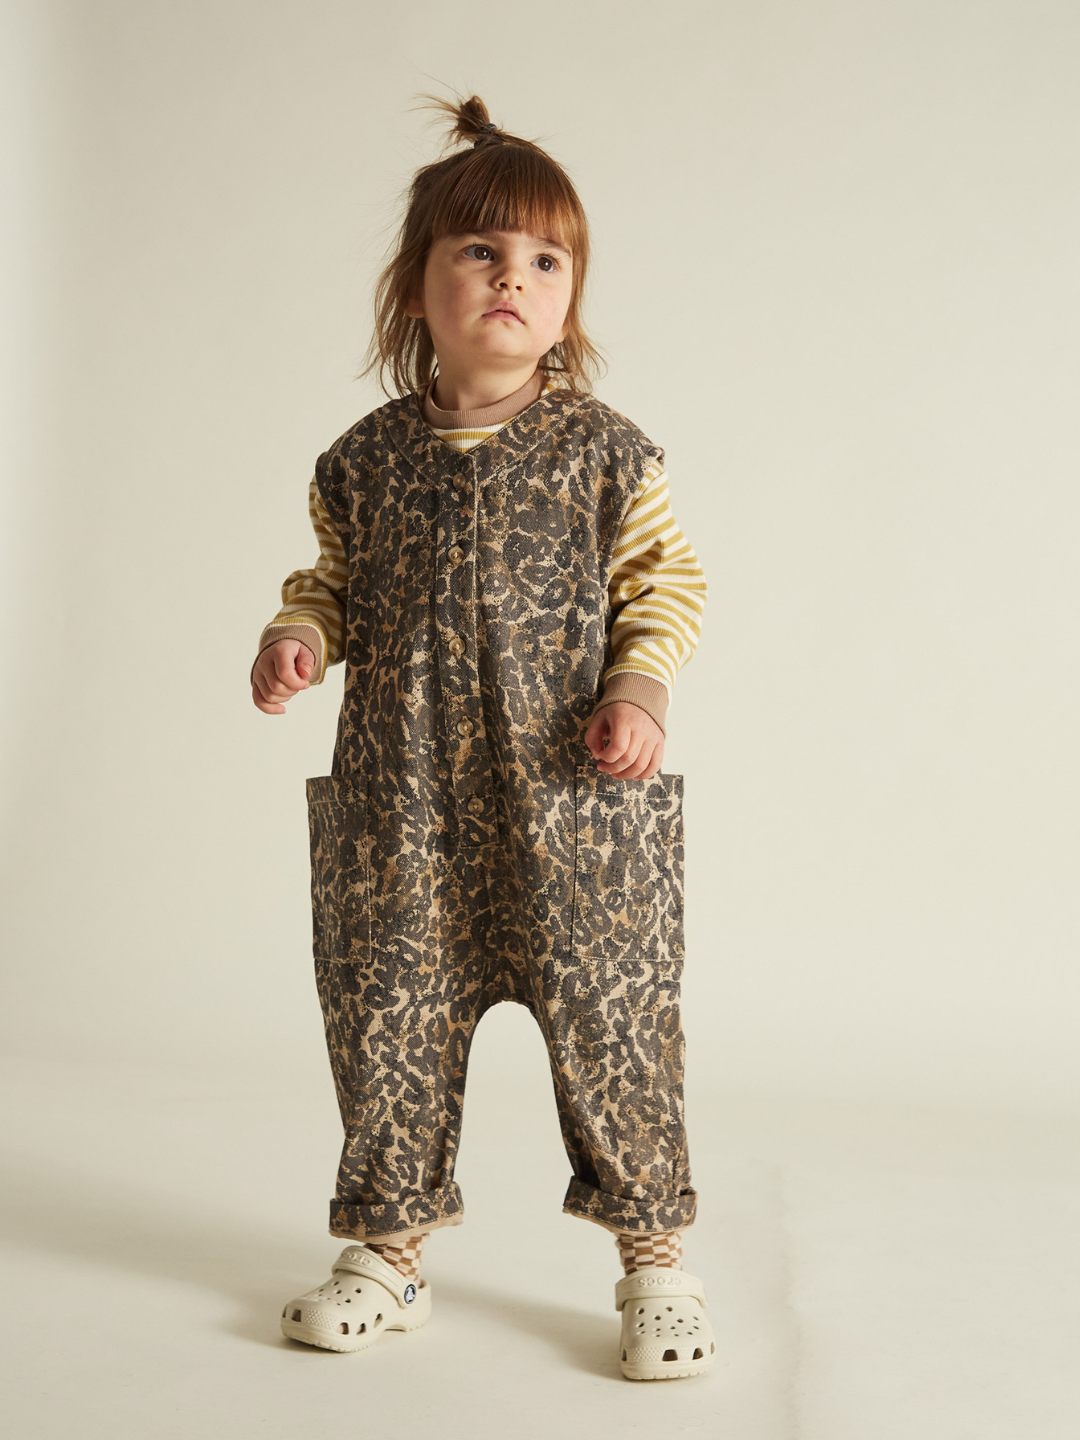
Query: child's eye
{"type": "Point", "coordinates": [547, 263]}
{"type": "Point", "coordinates": [489, 254]}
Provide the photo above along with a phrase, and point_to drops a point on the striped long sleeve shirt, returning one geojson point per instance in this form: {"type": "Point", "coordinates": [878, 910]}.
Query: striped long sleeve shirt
{"type": "Point", "coordinates": [656, 586]}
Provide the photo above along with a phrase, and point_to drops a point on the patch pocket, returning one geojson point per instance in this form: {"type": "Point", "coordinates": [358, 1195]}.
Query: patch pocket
{"type": "Point", "coordinates": [628, 869]}
{"type": "Point", "coordinates": [340, 867]}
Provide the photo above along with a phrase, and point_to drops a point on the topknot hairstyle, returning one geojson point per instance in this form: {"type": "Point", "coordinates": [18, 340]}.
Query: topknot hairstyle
{"type": "Point", "coordinates": [500, 182]}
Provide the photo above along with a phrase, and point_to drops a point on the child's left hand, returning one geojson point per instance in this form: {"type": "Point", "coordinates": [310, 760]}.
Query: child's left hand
{"type": "Point", "coordinates": [635, 742]}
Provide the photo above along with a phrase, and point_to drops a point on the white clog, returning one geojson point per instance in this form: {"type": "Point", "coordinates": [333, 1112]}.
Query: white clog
{"type": "Point", "coordinates": [665, 1331]}
{"type": "Point", "coordinates": [363, 1297]}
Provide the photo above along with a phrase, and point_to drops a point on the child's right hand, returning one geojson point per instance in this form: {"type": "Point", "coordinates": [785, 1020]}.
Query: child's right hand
{"type": "Point", "coordinates": [278, 673]}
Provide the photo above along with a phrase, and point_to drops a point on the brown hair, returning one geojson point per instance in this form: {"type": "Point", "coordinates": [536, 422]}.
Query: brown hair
{"type": "Point", "coordinates": [500, 183]}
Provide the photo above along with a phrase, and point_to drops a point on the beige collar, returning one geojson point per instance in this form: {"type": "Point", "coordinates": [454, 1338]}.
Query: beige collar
{"type": "Point", "coordinates": [504, 409]}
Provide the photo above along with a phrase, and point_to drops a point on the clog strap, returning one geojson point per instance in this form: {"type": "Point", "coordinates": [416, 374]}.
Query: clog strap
{"type": "Point", "coordinates": [655, 1282]}
{"type": "Point", "coordinates": [356, 1260]}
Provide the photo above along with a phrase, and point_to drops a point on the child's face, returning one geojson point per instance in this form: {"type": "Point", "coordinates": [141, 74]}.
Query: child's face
{"type": "Point", "coordinates": [469, 277]}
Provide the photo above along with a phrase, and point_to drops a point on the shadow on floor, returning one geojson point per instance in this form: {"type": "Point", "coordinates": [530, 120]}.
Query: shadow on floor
{"type": "Point", "coordinates": [62, 1214]}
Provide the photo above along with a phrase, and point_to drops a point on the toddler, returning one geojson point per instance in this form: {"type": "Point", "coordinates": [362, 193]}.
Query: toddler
{"type": "Point", "coordinates": [501, 573]}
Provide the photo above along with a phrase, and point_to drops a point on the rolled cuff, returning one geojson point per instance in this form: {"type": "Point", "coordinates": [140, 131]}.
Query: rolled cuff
{"type": "Point", "coordinates": [637, 1217]}
{"type": "Point", "coordinates": [397, 1217]}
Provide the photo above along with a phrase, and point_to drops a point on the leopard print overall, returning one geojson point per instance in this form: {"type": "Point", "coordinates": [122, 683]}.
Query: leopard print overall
{"type": "Point", "coordinates": [464, 848]}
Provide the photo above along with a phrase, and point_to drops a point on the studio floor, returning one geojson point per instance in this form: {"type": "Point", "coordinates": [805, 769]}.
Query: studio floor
{"type": "Point", "coordinates": [872, 1273]}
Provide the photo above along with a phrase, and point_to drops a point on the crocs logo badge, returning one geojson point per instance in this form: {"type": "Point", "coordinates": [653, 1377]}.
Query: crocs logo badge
{"type": "Point", "coordinates": [357, 1257]}
{"type": "Point", "coordinates": [657, 1280]}
{"type": "Point", "coordinates": [410, 1294]}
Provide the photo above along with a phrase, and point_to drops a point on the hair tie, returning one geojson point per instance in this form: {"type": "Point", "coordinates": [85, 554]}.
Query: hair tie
{"type": "Point", "coordinates": [485, 130]}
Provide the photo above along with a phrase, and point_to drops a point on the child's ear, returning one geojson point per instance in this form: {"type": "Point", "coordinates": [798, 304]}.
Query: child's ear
{"type": "Point", "coordinates": [415, 309]}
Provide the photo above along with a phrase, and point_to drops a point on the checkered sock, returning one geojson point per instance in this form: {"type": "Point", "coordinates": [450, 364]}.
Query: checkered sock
{"type": "Point", "coordinates": [638, 1252]}
{"type": "Point", "coordinates": [403, 1255]}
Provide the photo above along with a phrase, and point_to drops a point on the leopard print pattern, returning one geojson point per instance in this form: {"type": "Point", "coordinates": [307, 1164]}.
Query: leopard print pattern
{"type": "Point", "coordinates": [465, 850]}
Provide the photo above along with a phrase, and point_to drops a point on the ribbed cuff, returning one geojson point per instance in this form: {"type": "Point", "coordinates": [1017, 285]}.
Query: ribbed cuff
{"type": "Point", "coordinates": [311, 636]}
{"type": "Point", "coordinates": [637, 689]}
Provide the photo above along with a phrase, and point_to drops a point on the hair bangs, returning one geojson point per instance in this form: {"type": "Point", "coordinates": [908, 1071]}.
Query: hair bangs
{"type": "Point", "coordinates": [506, 188]}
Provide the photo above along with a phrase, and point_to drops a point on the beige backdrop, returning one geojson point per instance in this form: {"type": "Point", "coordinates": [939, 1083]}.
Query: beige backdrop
{"type": "Point", "coordinates": [836, 278]}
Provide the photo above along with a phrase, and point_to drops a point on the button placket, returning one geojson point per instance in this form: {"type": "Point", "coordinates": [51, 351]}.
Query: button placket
{"type": "Point", "coordinates": [455, 584]}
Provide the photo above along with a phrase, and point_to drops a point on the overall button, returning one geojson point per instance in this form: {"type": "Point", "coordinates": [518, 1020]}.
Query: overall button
{"type": "Point", "coordinates": [465, 727]}
{"type": "Point", "coordinates": [460, 483]}
{"type": "Point", "coordinates": [456, 554]}
{"type": "Point", "coordinates": [476, 805]}
{"type": "Point", "coordinates": [456, 646]}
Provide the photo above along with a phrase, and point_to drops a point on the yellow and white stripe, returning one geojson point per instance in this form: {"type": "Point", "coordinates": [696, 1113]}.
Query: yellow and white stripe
{"type": "Point", "coordinates": [314, 599]}
{"type": "Point", "coordinates": [656, 586]}
{"type": "Point", "coordinates": [466, 439]}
